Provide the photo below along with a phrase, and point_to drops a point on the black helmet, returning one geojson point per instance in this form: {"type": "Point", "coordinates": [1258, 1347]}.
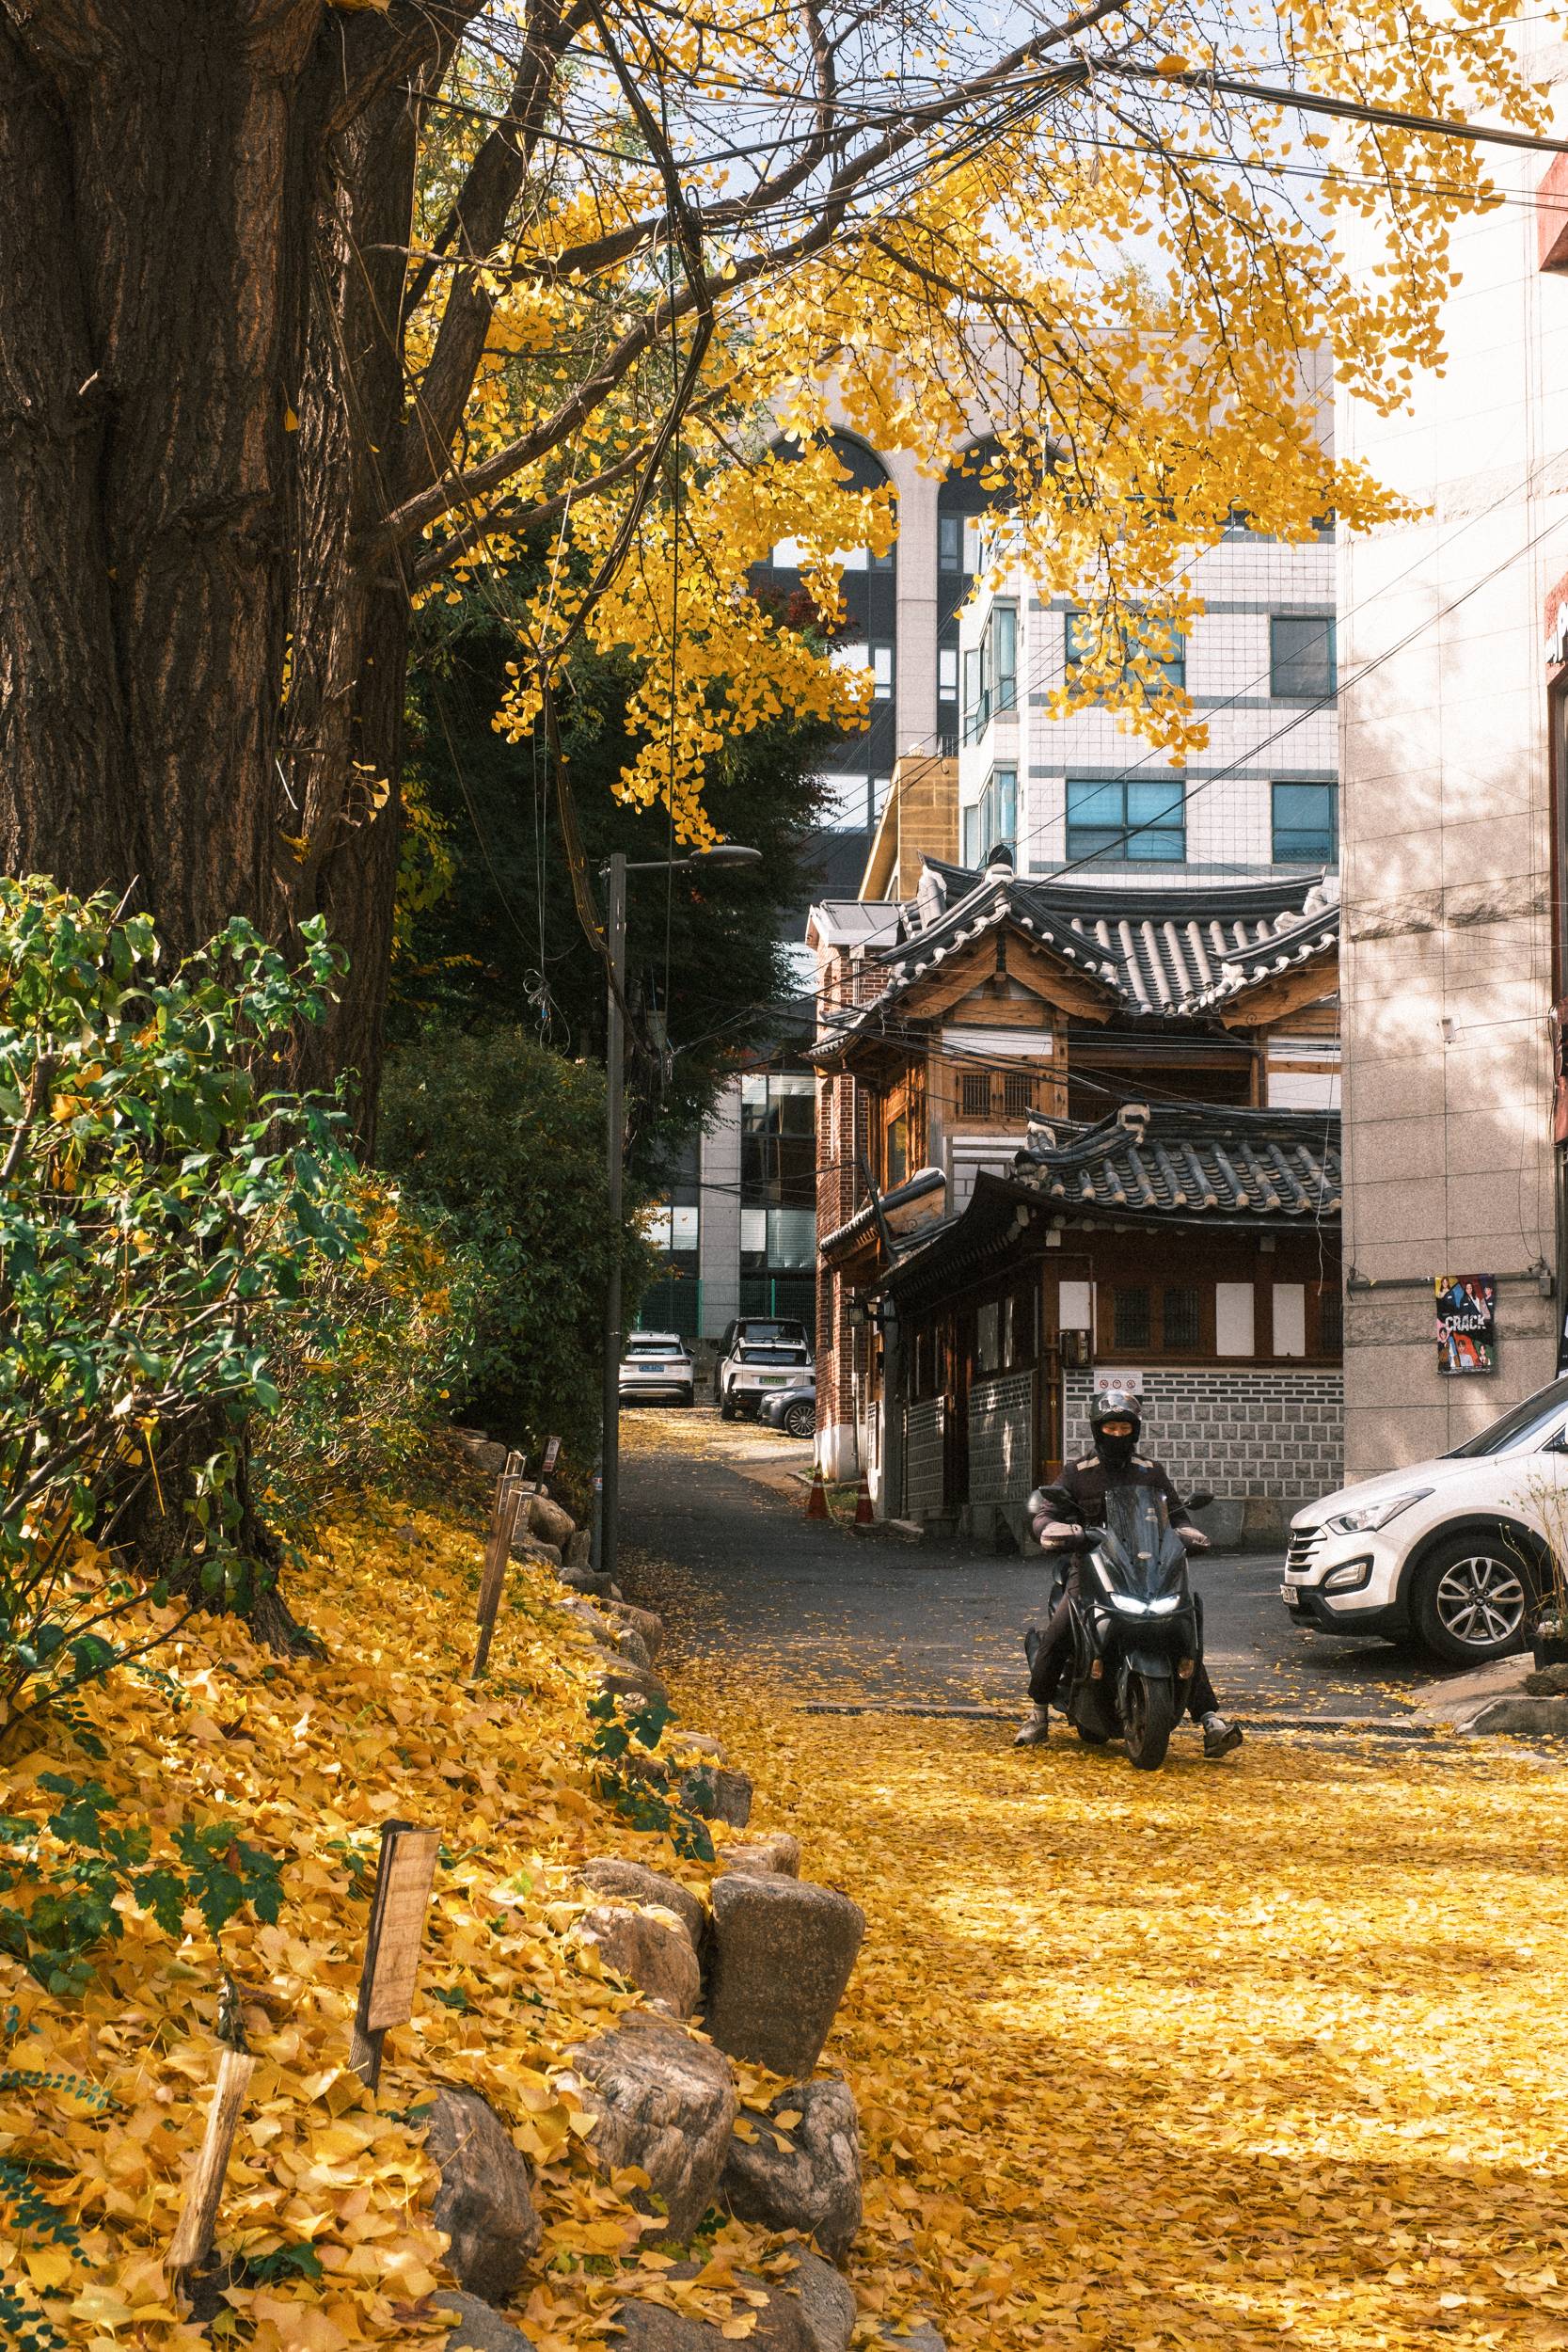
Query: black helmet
{"type": "Point", "coordinates": [1115, 1405]}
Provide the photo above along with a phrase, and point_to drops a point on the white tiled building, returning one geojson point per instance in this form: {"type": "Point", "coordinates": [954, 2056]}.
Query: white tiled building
{"type": "Point", "coordinates": [1260, 668]}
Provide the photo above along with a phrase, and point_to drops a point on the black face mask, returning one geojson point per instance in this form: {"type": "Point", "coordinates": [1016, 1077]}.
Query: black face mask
{"type": "Point", "coordinates": [1115, 1453]}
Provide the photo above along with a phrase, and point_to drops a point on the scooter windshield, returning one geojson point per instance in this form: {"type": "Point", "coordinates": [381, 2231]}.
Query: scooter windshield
{"type": "Point", "coordinates": [1146, 1553]}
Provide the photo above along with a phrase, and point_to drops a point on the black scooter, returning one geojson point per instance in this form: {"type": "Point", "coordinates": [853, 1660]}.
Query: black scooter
{"type": "Point", "coordinates": [1136, 1632]}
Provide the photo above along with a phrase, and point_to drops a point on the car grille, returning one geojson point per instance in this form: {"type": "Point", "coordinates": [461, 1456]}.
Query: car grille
{"type": "Point", "coordinates": [1302, 1556]}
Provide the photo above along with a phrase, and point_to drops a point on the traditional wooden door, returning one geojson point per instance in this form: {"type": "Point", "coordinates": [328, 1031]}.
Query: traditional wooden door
{"type": "Point", "coordinates": [958, 1349]}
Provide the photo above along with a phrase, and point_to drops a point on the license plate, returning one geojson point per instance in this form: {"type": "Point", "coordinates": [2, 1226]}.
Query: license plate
{"type": "Point", "coordinates": [774, 1380]}
{"type": "Point", "coordinates": [1290, 1595]}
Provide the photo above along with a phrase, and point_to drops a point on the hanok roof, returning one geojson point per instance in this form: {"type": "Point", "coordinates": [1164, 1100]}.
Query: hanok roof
{"type": "Point", "coordinates": [1198, 1165]}
{"type": "Point", "coordinates": [1160, 951]}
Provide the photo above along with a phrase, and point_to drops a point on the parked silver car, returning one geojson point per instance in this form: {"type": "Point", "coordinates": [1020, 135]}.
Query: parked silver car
{"type": "Point", "coordinates": [792, 1409]}
{"type": "Point", "coordinates": [658, 1363]}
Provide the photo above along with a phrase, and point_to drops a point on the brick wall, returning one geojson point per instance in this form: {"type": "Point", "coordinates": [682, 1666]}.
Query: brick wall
{"type": "Point", "coordinates": [1001, 1437]}
{"type": "Point", "coordinates": [1278, 1434]}
{"type": "Point", "coordinates": [924, 1427]}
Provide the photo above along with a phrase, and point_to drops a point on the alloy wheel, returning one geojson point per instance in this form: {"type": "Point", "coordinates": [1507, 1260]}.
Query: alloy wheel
{"type": "Point", "coordinates": [1480, 1600]}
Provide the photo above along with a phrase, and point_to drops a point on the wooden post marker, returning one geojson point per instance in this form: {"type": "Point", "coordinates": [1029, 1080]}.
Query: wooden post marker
{"type": "Point", "coordinates": [193, 2239]}
{"type": "Point", "coordinates": [393, 1940]}
{"type": "Point", "coordinates": [511, 1509]}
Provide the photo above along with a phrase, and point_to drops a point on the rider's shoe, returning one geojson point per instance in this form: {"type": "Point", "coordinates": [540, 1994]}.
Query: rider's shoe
{"type": "Point", "coordinates": [1036, 1730]}
{"type": "Point", "coordinates": [1219, 1738]}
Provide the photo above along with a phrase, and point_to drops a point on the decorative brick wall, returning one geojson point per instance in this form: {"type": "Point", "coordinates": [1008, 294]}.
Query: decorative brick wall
{"type": "Point", "coordinates": [1001, 1437]}
{"type": "Point", "coordinates": [1276, 1434]}
{"type": "Point", "coordinates": [924, 1435]}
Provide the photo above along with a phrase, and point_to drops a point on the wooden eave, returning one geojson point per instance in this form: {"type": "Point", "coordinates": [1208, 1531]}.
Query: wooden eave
{"type": "Point", "coordinates": [1008, 953]}
{"type": "Point", "coordinates": [1280, 993]}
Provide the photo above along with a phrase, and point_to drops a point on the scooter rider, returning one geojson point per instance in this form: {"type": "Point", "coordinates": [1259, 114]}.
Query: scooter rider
{"type": "Point", "coordinates": [1116, 1420]}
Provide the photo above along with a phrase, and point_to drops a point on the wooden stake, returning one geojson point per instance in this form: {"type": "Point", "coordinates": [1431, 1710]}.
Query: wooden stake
{"type": "Point", "coordinates": [193, 2239]}
{"type": "Point", "coordinates": [496, 1555]}
{"type": "Point", "coordinates": [393, 1940]}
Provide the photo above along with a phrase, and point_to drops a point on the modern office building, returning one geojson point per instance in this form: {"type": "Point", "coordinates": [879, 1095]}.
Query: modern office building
{"type": "Point", "coordinates": [1075, 792]}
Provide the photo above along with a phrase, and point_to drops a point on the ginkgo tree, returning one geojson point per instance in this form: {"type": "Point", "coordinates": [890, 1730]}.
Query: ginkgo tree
{"type": "Point", "coordinates": [309, 308]}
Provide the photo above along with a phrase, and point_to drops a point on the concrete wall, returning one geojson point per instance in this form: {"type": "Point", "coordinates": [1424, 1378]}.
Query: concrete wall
{"type": "Point", "coordinates": [1271, 1436]}
{"type": "Point", "coordinates": [719, 1226]}
{"type": "Point", "coordinates": [1448, 957]}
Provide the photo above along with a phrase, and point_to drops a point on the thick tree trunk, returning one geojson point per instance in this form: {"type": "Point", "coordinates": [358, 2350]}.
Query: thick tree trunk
{"type": "Point", "coordinates": [201, 395]}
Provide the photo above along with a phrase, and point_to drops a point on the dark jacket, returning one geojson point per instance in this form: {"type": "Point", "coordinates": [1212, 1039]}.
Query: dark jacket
{"type": "Point", "coordinates": [1086, 1481]}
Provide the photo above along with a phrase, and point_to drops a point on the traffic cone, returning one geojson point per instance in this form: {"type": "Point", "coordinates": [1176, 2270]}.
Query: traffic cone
{"type": "Point", "coordinates": [816, 1501]}
{"type": "Point", "coordinates": [864, 1514]}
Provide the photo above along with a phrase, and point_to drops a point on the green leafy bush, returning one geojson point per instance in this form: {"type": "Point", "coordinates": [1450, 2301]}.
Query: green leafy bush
{"type": "Point", "coordinates": [366, 1361]}
{"type": "Point", "coordinates": [160, 1202]}
{"type": "Point", "coordinates": [508, 1141]}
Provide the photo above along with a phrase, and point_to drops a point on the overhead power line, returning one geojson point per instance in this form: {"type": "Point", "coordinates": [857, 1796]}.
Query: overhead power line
{"type": "Point", "coordinates": [1200, 80]}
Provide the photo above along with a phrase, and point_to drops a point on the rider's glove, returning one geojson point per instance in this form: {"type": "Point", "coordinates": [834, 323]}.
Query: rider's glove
{"type": "Point", "coordinates": [1194, 1538]}
{"type": "Point", "coordinates": [1050, 1532]}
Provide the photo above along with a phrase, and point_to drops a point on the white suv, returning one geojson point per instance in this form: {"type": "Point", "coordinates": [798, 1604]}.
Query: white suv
{"type": "Point", "coordinates": [1453, 1551]}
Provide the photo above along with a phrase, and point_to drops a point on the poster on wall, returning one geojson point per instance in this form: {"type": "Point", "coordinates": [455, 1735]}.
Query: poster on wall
{"type": "Point", "coordinates": [1466, 1323]}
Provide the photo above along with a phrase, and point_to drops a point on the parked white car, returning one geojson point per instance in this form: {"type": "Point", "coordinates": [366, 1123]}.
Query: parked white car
{"type": "Point", "coordinates": [1453, 1551]}
{"type": "Point", "coordinates": [760, 1358]}
{"type": "Point", "coordinates": [658, 1363]}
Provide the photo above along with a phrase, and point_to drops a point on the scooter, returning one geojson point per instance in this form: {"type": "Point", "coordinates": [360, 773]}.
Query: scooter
{"type": "Point", "coordinates": [1136, 1632]}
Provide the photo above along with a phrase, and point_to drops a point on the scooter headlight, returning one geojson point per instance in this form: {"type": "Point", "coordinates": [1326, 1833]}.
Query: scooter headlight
{"type": "Point", "coordinates": [1128, 1606]}
{"type": "Point", "coordinates": [1166, 1607]}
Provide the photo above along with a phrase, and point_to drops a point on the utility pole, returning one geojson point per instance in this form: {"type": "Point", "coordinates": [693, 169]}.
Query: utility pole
{"type": "Point", "coordinates": [615, 1149]}
{"type": "Point", "coordinates": [608, 1517]}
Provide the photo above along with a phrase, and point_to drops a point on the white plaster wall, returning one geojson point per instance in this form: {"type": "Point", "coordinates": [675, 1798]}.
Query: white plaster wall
{"type": "Point", "coordinates": [1448, 957]}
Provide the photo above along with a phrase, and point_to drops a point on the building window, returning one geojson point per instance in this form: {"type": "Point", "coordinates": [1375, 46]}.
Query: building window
{"type": "Point", "coordinates": [897, 1151]}
{"type": "Point", "coordinates": [973, 722]}
{"type": "Point", "coordinates": [947, 673]}
{"type": "Point", "coordinates": [990, 672]}
{"type": "Point", "coordinates": [881, 672]}
{"type": "Point", "coordinates": [1330, 1319]}
{"type": "Point", "coordinates": [1182, 1331]}
{"type": "Point", "coordinates": [1018, 1095]}
{"type": "Point", "coordinates": [975, 1095]}
{"type": "Point", "coordinates": [1167, 648]}
{"type": "Point", "coordinates": [995, 813]}
{"type": "Point", "coordinates": [1302, 657]}
{"type": "Point", "coordinates": [1130, 1318]}
{"type": "Point", "coordinates": [1145, 822]}
{"type": "Point", "coordinates": [950, 543]}
{"type": "Point", "coordinates": [974, 848]}
{"type": "Point", "coordinates": [1305, 824]}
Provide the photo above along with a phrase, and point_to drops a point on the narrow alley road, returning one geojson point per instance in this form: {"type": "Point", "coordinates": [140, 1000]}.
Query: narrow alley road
{"type": "Point", "coordinates": [898, 1622]}
{"type": "Point", "coordinates": [1251, 2056]}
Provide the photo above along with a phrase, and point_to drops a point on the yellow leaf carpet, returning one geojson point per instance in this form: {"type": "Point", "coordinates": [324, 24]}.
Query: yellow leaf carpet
{"type": "Point", "coordinates": [1260, 2054]}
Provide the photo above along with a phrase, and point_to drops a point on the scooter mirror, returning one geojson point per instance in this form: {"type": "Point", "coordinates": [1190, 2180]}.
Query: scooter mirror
{"type": "Point", "coordinates": [1052, 1498]}
{"type": "Point", "coordinates": [1199, 1499]}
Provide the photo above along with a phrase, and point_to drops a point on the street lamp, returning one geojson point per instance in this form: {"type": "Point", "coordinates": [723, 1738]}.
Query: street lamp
{"type": "Point", "coordinates": [614, 873]}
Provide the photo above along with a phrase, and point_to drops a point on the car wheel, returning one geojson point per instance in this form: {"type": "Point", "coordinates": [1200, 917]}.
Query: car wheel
{"type": "Point", "coordinates": [1470, 1599]}
{"type": "Point", "coordinates": [726, 1410]}
{"type": "Point", "coordinates": [687, 1397]}
{"type": "Point", "coordinates": [800, 1420]}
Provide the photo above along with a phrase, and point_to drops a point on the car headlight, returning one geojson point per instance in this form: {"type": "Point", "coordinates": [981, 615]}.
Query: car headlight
{"type": "Point", "coordinates": [1374, 1515]}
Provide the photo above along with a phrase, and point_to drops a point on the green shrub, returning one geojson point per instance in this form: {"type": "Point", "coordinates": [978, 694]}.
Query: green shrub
{"type": "Point", "coordinates": [161, 1204]}
{"type": "Point", "coordinates": [368, 1359]}
{"type": "Point", "coordinates": [507, 1140]}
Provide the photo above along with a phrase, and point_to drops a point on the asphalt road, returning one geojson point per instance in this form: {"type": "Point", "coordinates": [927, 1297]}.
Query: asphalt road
{"type": "Point", "coordinates": [713, 1531]}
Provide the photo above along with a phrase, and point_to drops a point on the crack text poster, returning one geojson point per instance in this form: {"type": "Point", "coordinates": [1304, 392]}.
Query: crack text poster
{"type": "Point", "coordinates": [1466, 1323]}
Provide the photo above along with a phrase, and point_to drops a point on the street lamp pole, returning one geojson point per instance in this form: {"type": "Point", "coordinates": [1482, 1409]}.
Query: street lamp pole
{"type": "Point", "coordinates": [615, 872]}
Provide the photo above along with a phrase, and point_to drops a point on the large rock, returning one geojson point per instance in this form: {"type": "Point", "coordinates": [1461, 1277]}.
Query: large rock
{"type": "Point", "coordinates": [665, 2103]}
{"type": "Point", "coordinates": [1528, 1717]}
{"type": "Point", "coordinates": [717, 1791]}
{"type": "Point", "coordinates": [777, 1856]}
{"type": "Point", "coordinates": [622, 1678]}
{"type": "Point", "coordinates": [802, 2176]}
{"type": "Point", "coordinates": [781, 1953]}
{"type": "Point", "coordinates": [530, 1551]}
{"type": "Point", "coordinates": [579, 1548]}
{"type": "Point", "coordinates": [634, 1882]}
{"type": "Point", "coordinates": [810, 2310]}
{"type": "Point", "coordinates": [549, 1522]}
{"type": "Point", "coordinates": [579, 1576]}
{"type": "Point", "coordinates": [485, 2202]}
{"type": "Point", "coordinates": [479, 2328]}
{"type": "Point", "coordinates": [482, 1452]}
{"type": "Point", "coordinates": [922, 2337]}
{"type": "Point", "coordinates": [650, 1948]}
{"type": "Point", "coordinates": [647, 1622]}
